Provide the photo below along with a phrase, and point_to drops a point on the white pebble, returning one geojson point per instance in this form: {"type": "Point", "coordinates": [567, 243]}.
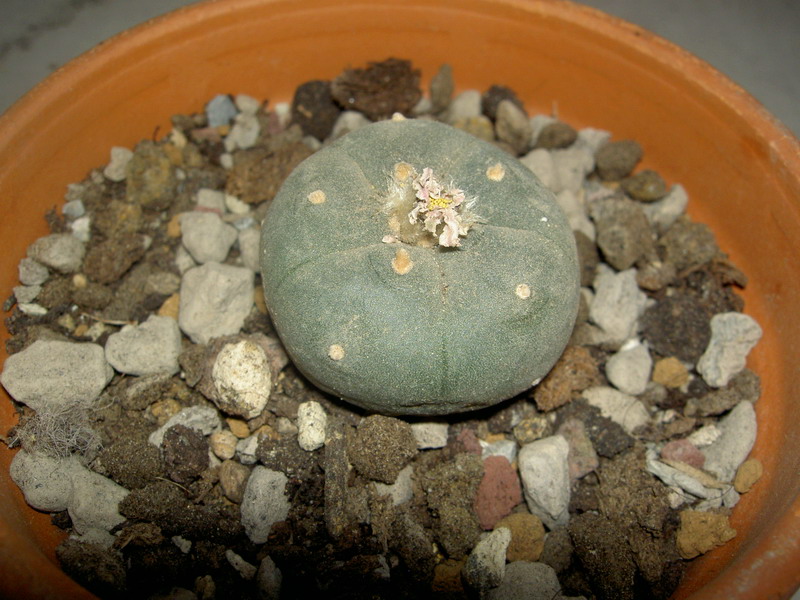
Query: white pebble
{"type": "Point", "coordinates": [149, 348]}
{"type": "Point", "coordinates": [45, 482]}
{"type": "Point", "coordinates": [246, 450]}
{"type": "Point", "coordinates": [247, 104]}
{"type": "Point", "coordinates": [575, 211]}
{"type": "Point", "coordinates": [117, 167]}
{"type": "Point", "coordinates": [592, 138]}
{"type": "Point", "coordinates": [244, 133]}
{"type": "Point", "coordinates": [73, 209]}
{"type": "Point", "coordinates": [210, 199]}
{"type": "Point", "coordinates": [312, 421]}
{"type": "Point", "coordinates": [249, 248]}
{"type": "Point", "coordinates": [541, 163]}
{"type": "Point", "coordinates": [236, 206]}
{"type": "Point", "coordinates": [705, 436]}
{"type": "Point", "coordinates": [486, 564]}
{"type": "Point", "coordinates": [572, 165]}
{"type": "Point", "coordinates": [733, 335]}
{"type": "Point", "coordinates": [621, 408]}
{"type": "Point", "coordinates": [402, 490]}
{"type": "Point", "coordinates": [244, 568]}
{"type": "Point", "coordinates": [200, 418]}
{"type": "Point", "coordinates": [348, 121]}
{"type": "Point", "coordinates": [465, 105]}
{"type": "Point", "coordinates": [54, 374]}
{"type": "Point", "coordinates": [215, 301]}
{"type": "Point", "coordinates": [25, 294]}
{"type": "Point", "coordinates": [430, 435]}
{"type": "Point", "coordinates": [663, 213]}
{"type": "Point", "coordinates": [629, 369]}
{"type": "Point", "coordinates": [242, 379]}
{"type": "Point", "coordinates": [544, 470]}
{"type": "Point", "coordinates": [505, 448]}
{"type": "Point", "coordinates": [264, 503]}
{"type": "Point", "coordinates": [220, 110]}
{"type": "Point", "coordinates": [81, 229]}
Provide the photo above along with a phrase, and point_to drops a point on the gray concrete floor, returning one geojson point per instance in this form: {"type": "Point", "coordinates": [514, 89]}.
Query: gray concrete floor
{"type": "Point", "coordinates": [756, 44]}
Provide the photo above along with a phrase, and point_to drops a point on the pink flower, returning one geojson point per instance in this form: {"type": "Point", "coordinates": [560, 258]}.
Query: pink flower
{"type": "Point", "coordinates": [438, 205]}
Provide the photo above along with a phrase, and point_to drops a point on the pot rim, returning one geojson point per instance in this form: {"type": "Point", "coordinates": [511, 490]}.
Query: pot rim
{"type": "Point", "coordinates": [783, 146]}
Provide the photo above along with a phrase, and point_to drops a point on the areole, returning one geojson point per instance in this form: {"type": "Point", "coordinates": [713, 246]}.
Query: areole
{"type": "Point", "coordinates": [595, 70]}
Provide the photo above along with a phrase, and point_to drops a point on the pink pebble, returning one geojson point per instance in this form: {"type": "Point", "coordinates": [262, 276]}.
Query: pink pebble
{"type": "Point", "coordinates": [498, 493]}
{"type": "Point", "coordinates": [685, 452]}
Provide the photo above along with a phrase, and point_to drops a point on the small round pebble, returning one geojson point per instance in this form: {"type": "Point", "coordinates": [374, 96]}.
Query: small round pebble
{"type": "Point", "coordinates": [616, 160]}
{"type": "Point", "coordinates": [747, 475]}
{"type": "Point", "coordinates": [556, 135]}
{"type": "Point", "coordinates": [646, 186]}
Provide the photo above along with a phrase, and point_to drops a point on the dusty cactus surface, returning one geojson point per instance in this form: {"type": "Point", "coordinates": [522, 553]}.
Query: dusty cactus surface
{"type": "Point", "coordinates": [410, 268]}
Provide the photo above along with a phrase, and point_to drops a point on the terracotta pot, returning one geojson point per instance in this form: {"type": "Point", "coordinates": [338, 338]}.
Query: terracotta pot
{"type": "Point", "coordinates": [740, 167]}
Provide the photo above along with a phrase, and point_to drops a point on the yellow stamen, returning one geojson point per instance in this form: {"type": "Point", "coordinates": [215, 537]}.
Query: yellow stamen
{"type": "Point", "coordinates": [434, 203]}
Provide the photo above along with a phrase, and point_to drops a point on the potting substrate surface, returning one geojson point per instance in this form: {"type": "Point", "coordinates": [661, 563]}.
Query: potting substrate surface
{"type": "Point", "coordinates": [168, 434]}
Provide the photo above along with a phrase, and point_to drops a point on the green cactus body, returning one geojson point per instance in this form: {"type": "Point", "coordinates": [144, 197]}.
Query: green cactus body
{"type": "Point", "coordinates": [372, 309]}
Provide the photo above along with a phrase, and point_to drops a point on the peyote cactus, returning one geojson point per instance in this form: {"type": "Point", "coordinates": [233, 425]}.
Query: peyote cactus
{"type": "Point", "coordinates": [411, 268]}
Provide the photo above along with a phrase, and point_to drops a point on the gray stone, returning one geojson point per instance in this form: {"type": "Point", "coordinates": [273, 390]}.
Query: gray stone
{"type": "Point", "coordinates": [247, 449]}
{"type": "Point", "coordinates": [264, 503]}
{"type": "Point", "coordinates": [618, 303]}
{"type": "Point", "coordinates": [312, 421]}
{"type": "Point", "coordinates": [629, 369]}
{"type": "Point", "coordinates": [247, 104]}
{"type": "Point", "coordinates": [539, 122]}
{"type": "Point", "coordinates": [206, 236]}
{"type": "Point", "coordinates": [52, 374]}
{"type": "Point", "coordinates": [117, 167]}
{"type": "Point", "coordinates": [544, 469]}
{"type": "Point", "coordinates": [623, 231]}
{"type": "Point", "coordinates": [60, 251]}
{"type": "Point", "coordinates": [45, 482]}
{"type": "Point", "coordinates": [242, 379]}
{"type": "Point", "coordinates": [249, 247]}
{"type": "Point", "coordinates": [95, 501]}
{"type": "Point", "coordinates": [200, 418]}
{"type": "Point", "coordinates": [527, 581]}
{"type": "Point", "coordinates": [269, 580]}
{"type": "Point", "coordinates": [733, 335]}
{"type": "Point", "coordinates": [81, 229]}
{"type": "Point", "coordinates": [244, 133]}
{"type": "Point", "coordinates": [73, 209]}
{"type": "Point", "coordinates": [621, 408]}
{"type": "Point", "coordinates": [731, 448]}
{"type": "Point", "coordinates": [25, 294]}
{"type": "Point", "coordinates": [32, 272]}
{"type": "Point", "coordinates": [512, 126]}
{"type": "Point", "coordinates": [149, 348]}
{"type": "Point", "coordinates": [220, 110]}
{"type": "Point", "coordinates": [213, 200]}
{"type": "Point", "coordinates": [486, 564]}
{"type": "Point", "coordinates": [215, 301]}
